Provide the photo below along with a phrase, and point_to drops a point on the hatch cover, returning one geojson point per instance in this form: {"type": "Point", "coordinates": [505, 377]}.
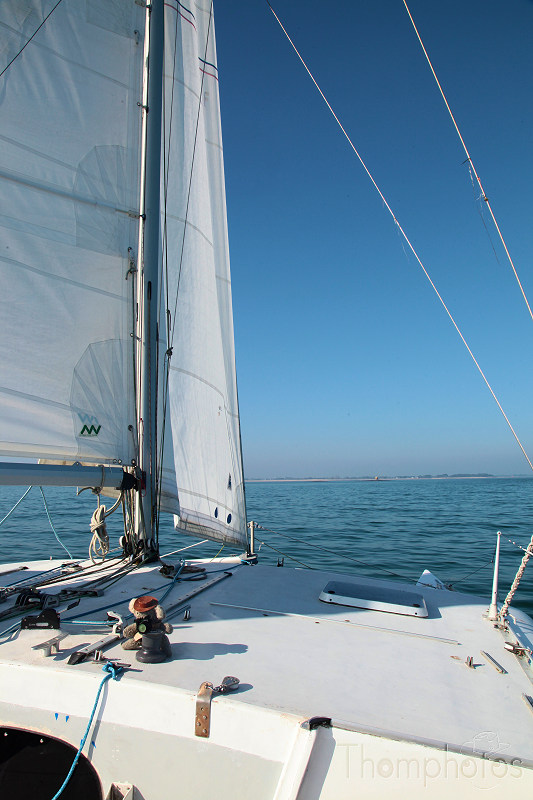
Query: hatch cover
{"type": "Point", "coordinates": [375, 598]}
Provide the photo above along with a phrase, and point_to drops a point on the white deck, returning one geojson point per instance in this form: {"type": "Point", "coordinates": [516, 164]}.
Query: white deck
{"type": "Point", "coordinates": [397, 676]}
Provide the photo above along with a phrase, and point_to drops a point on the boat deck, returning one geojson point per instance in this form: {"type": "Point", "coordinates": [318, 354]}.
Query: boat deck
{"type": "Point", "coordinates": [399, 676]}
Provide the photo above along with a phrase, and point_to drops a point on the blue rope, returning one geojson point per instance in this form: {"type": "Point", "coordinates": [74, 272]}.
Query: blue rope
{"type": "Point", "coordinates": [112, 672]}
{"type": "Point", "coordinates": [174, 579]}
{"type": "Point", "coordinates": [52, 525]}
{"type": "Point", "coordinates": [16, 504]}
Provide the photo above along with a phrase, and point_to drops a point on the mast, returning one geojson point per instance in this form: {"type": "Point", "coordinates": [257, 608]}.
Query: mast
{"type": "Point", "coordinates": [149, 274]}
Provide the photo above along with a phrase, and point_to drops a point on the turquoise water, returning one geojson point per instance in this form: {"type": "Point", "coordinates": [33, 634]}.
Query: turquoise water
{"type": "Point", "coordinates": [404, 526]}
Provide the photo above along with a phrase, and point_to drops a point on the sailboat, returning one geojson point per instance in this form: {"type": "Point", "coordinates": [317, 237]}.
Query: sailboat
{"type": "Point", "coordinates": [259, 682]}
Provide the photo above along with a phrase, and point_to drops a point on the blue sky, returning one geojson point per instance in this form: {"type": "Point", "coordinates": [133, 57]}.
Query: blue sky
{"type": "Point", "coordinates": [347, 363]}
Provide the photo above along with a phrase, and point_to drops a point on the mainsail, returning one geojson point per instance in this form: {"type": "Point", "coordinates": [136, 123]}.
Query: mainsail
{"type": "Point", "coordinates": [71, 135]}
{"type": "Point", "coordinates": [69, 206]}
{"type": "Point", "coordinates": [202, 392]}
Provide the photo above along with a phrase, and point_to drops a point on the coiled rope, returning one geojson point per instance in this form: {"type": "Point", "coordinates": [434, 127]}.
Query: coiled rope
{"type": "Point", "coordinates": [112, 671]}
{"type": "Point", "coordinates": [99, 546]}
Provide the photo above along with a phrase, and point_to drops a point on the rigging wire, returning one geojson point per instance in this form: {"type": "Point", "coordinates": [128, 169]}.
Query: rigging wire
{"type": "Point", "coordinates": [471, 163]}
{"type": "Point", "coordinates": [52, 525]}
{"type": "Point", "coordinates": [31, 37]}
{"type": "Point", "coordinates": [406, 238]}
{"type": "Point", "coordinates": [16, 504]}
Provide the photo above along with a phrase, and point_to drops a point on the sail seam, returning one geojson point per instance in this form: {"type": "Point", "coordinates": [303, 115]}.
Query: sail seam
{"type": "Point", "coordinates": [62, 279]}
{"type": "Point", "coordinates": [39, 153]}
{"type": "Point", "coordinates": [203, 380]}
{"type": "Point", "coordinates": [34, 397]}
{"type": "Point", "coordinates": [190, 225]}
{"type": "Point", "coordinates": [77, 198]}
{"type": "Point", "coordinates": [215, 144]}
{"type": "Point", "coordinates": [185, 86]}
{"type": "Point", "coordinates": [217, 503]}
{"type": "Point", "coordinates": [69, 61]}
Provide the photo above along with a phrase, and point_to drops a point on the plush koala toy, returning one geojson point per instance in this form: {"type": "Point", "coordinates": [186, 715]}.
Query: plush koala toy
{"type": "Point", "coordinates": [149, 617]}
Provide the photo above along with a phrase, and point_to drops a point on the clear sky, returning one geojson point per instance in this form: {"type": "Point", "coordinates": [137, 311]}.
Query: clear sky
{"type": "Point", "coordinates": [346, 362]}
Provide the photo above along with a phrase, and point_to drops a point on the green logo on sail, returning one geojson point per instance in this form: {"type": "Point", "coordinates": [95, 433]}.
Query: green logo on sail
{"type": "Point", "coordinates": [90, 426]}
{"type": "Point", "coordinates": [90, 430]}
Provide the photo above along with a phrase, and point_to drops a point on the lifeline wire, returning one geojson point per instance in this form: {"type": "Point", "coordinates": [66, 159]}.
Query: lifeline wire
{"type": "Point", "coordinates": [471, 163]}
{"type": "Point", "coordinates": [407, 240]}
{"type": "Point", "coordinates": [285, 555]}
{"type": "Point", "coordinates": [325, 550]}
{"type": "Point", "coordinates": [460, 580]}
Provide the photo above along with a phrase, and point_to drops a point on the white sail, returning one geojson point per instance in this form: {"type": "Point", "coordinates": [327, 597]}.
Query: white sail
{"type": "Point", "coordinates": [69, 203]}
{"type": "Point", "coordinates": [202, 392]}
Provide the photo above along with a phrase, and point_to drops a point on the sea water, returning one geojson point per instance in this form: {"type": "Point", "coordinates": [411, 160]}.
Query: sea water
{"type": "Point", "coordinates": [388, 528]}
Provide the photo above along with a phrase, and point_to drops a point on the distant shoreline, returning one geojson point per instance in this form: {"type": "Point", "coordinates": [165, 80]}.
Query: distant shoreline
{"type": "Point", "coordinates": [385, 479]}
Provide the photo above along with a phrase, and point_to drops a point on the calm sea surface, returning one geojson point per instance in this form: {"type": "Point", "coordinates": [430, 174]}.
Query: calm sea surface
{"type": "Point", "coordinates": [404, 526]}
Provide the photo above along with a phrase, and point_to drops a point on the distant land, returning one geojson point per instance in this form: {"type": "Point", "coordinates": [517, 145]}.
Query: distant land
{"type": "Point", "coordinates": [444, 476]}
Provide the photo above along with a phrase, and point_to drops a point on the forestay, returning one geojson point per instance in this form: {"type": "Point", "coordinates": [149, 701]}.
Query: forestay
{"type": "Point", "coordinates": [202, 392]}
{"type": "Point", "coordinates": [69, 206]}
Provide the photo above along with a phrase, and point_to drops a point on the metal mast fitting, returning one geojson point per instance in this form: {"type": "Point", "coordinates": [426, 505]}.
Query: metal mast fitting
{"type": "Point", "coordinates": [149, 278]}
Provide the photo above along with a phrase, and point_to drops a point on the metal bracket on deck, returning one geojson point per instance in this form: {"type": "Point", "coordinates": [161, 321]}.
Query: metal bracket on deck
{"type": "Point", "coordinates": [203, 710]}
{"type": "Point", "coordinates": [51, 645]}
{"type": "Point", "coordinates": [121, 791]}
{"type": "Point", "coordinates": [202, 725]}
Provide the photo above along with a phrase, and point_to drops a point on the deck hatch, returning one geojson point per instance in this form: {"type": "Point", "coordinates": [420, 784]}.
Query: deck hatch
{"type": "Point", "coordinates": [375, 598]}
